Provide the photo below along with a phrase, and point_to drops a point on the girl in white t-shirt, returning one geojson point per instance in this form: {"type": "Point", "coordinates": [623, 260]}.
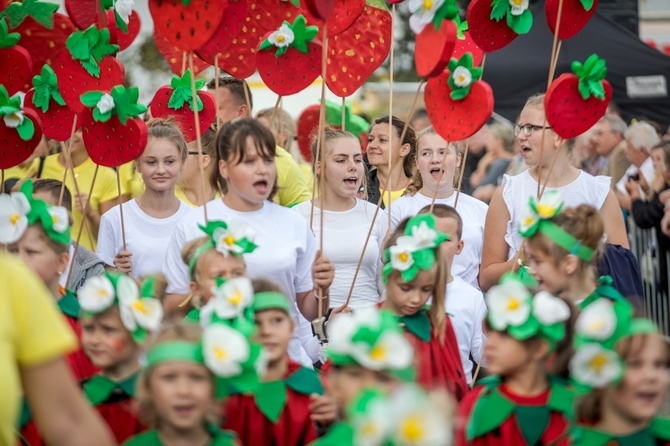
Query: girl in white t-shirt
{"type": "Point", "coordinates": [347, 221]}
{"type": "Point", "coordinates": [433, 155]}
{"type": "Point", "coordinates": [502, 241]}
{"type": "Point", "coordinates": [150, 218]}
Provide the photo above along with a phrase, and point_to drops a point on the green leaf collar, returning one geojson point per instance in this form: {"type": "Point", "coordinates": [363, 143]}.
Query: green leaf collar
{"type": "Point", "coordinates": [42, 12]}
{"type": "Point", "coordinates": [519, 18]}
{"type": "Point", "coordinates": [296, 35]}
{"type": "Point", "coordinates": [46, 88]}
{"type": "Point", "coordinates": [123, 103]}
{"type": "Point", "coordinates": [99, 388]}
{"type": "Point", "coordinates": [418, 324]}
{"type": "Point", "coordinates": [89, 47]}
{"type": "Point", "coordinates": [462, 75]}
{"type": "Point", "coordinates": [182, 93]}
{"type": "Point", "coordinates": [591, 75]}
{"type": "Point", "coordinates": [12, 114]}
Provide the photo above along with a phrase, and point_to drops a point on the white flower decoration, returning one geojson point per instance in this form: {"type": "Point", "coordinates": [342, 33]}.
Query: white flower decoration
{"type": "Point", "coordinates": [343, 327]}
{"type": "Point", "coordinates": [371, 427]}
{"type": "Point", "coordinates": [415, 419]}
{"type": "Point", "coordinates": [227, 239]}
{"type": "Point", "coordinates": [423, 235]}
{"type": "Point", "coordinates": [60, 218]}
{"type": "Point", "coordinates": [105, 104]}
{"type": "Point", "coordinates": [145, 312]}
{"type": "Point", "coordinates": [518, 6]}
{"type": "Point", "coordinates": [462, 77]}
{"type": "Point", "coordinates": [232, 297]}
{"type": "Point", "coordinates": [13, 217]}
{"type": "Point", "coordinates": [528, 219]}
{"type": "Point", "coordinates": [96, 295]}
{"type": "Point", "coordinates": [283, 37]}
{"type": "Point", "coordinates": [595, 366]}
{"type": "Point", "coordinates": [124, 8]}
{"type": "Point", "coordinates": [401, 253]}
{"type": "Point", "coordinates": [551, 200]}
{"type": "Point", "coordinates": [392, 351]}
{"type": "Point", "coordinates": [423, 12]}
{"type": "Point", "coordinates": [508, 304]}
{"type": "Point", "coordinates": [549, 309]}
{"type": "Point", "coordinates": [597, 321]}
{"type": "Point", "coordinates": [225, 350]}
{"type": "Point", "coordinates": [13, 120]}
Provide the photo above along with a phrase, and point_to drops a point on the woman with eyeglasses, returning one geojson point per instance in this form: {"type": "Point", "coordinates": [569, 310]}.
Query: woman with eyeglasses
{"type": "Point", "coordinates": [190, 188]}
{"type": "Point", "coordinates": [502, 241]}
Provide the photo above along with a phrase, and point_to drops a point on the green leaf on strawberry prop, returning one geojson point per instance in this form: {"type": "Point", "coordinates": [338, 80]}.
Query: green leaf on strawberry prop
{"type": "Point", "coordinates": [448, 11]}
{"type": "Point", "coordinates": [89, 47]}
{"type": "Point", "coordinates": [119, 101]}
{"type": "Point", "coordinates": [42, 12]}
{"type": "Point", "coordinates": [7, 39]}
{"type": "Point", "coordinates": [296, 35]}
{"type": "Point", "coordinates": [587, 4]}
{"type": "Point", "coordinates": [12, 114]}
{"type": "Point", "coordinates": [182, 93]}
{"type": "Point", "coordinates": [461, 27]}
{"type": "Point", "coordinates": [516, 12]}
{"type": "Point", "coordinates": [295, 3]}
{"type": "Point", "coordinates": [352, 122]}
{"type": "Point", "coordinates": [46, 88]}
{"type": "Point", "coordinates": [591, 76]}
{"type": "Point", "coordinates": [462, 76]}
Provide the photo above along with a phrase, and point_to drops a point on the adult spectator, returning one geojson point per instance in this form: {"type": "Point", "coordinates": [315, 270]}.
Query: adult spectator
{"type": "Point", "coordinates": [420, 120]}
{"type": "Point", "coordinates": [608, 137]}
{"type": "Point", "coordinates": [476, 150]}
{"type": "Point", "coordinates": [640, 138]}
{"type": "Point", "coordinates": [234, 103]}
{"type": "Point", "coordinates": [494, 164]}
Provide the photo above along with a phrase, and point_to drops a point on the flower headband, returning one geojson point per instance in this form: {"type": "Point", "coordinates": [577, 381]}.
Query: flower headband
{"type": "Point", "coordinates": [372, 339]}
{"type": "Point", "coordinates": [537, 217]}
{"type": "Point", "coordinates": [20, 210]}
{"type": "Point", "coordinates": [514, 310]}
{"type": "Point", "coordinates": [231, 304]}
{"type": "Point", "coordinates": [602, 323]}
{"type": "Point", "coordinates": [415, 250]}
{"type": "Point", "coordinates": [140, 312]}
{"type": "Point", "coordinates": [234, 238]}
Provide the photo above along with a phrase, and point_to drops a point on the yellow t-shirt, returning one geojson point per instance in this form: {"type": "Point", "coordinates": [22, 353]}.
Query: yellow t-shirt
{"type": "Point", "coordinates": [292, 186]}
{"type": "Point", "coordinates": [131, 180]}
{"type": "Point", "coordinates": [395, 194]}
{"type": "Point", "coordinates": [307, 174]}
{"type": "Point", "coordinates": [105, 189]}
{"type": "Point", "coordinates": [32, 332]}
{"type": "Point", "coordinates": [16, 172]}
{"type": "Point", "coordinates": [179, 192]}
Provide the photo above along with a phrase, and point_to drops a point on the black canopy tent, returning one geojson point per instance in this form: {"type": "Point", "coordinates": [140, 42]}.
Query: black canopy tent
{"type": "Point", "coordinates": [522, 68]}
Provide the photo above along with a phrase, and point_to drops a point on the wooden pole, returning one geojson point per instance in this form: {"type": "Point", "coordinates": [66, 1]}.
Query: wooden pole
{"type": "Point", "coordinates": [198, 138]}
{"type": "Point", "coordinates": [81, 228]}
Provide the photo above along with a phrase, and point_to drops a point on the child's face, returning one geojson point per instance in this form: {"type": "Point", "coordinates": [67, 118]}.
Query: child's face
{"type": "Point", "coordinates": [106, 341]}
{"type": "Point", "coordinates": [454, 245]}
{"type": "Point", "coordinates": [504, 354]}
{"type": "Point", "coordinates": [433, 155]}
{"type": "Point", "coordinates": [160, 164]}
{"type": "Point", "coordinates": [38, 254]}
{"type": "Point", "coordinates": [213, 265]}
{"type": "Point", "coordinates": [407, 298]}
{"type": "Point", "coordinates": [275, 329]}
{"type": "Point", "coordinates": [182, 394]}
{"type": "Point", "coordinates": [639, 396]}
{"type": "Point", "coordinates": [541, 266]}
{"type": "Point", "coordinates": [346, 382]}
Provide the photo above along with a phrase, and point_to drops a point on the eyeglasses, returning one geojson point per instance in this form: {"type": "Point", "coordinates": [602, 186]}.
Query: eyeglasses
{"type": "Point", "coordinates": [528, 129]}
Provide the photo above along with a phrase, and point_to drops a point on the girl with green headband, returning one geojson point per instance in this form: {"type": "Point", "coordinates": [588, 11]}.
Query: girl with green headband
{"type": "Point", "coordinates": [414, 271]}
{"type": "Point", "coordinates": [520, 404]}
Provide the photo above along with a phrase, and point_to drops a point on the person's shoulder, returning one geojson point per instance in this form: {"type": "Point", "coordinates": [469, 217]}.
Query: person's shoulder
{"type": "Point", "coordinates": [146, 438]}
{"type": "Point", "coordinates": [474, 203]}
{"type": "Point", "coordinates": [285, 213]}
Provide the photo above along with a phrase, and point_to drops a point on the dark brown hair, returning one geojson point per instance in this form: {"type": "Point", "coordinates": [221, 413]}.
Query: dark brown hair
{"type": "Point", "coordinates": [53, 187]}
{"type": "Point", "coordinates": [445, 211]}
{"type": "Point", "coordinates": [236, 88]}
{"type": "Point", "coordinates": [410, 138]}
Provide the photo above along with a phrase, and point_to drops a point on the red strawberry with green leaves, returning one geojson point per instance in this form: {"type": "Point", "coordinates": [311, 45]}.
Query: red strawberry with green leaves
{"type": "Point", "coordinates": [436, 33]}
{"type": "Point", "coordinates": [354, 54]}
{"type": "Point", "coordinates": [575, 14]}
{"type": "Point", "coordinates": [575, 102]}
{"type": "Point", "coordinates": [46, 100]}
{"type": "Point", "coordinates": [457, 101]}
{"type": "Point", "coordinates": [465, 44]}
{"type": "Point", "coordinates": [289, 59]}
{"type": "Point", "coordinates": [321, 9]}
{"type": "Point", "coordinates": [187, 24]}
{"type": "Point", "coordinates": [113, 134]}
{"type": "Point", "coordinates": [229, 28]}
{"type": "Point", "coordinates": [20, 130]}
{"type": "Point", "coordinates": [307, 125]}
{"type": "Point", "coordinates": [15, 61]}
{"type": "Point", "coordinates": [495, 24]}
{"type": "Point", "coordinates": [41, 12]}
{"type": "Point", "coordinates": [87, 64]}
{"type": "Point", "coordinates": [340, 19]}
{"type": "Point", "coordinates": [175, 57]}
{"type": "Point", "coordinates": [177, 100]}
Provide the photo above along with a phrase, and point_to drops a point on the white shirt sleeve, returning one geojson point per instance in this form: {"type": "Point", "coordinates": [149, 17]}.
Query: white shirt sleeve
{"type": "Point", "coordinates": [107, 244]}
{"type": "Point", "coordinates": [478, 338]}
{"type": "Point", "coordinates": [306, 255]}
{"type": "Point", "coordinates": [174, 269]}
{"type": "Point", "coordinates": [382, 228]}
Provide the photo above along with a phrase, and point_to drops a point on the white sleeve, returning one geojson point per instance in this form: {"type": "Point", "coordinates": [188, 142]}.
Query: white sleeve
{"type": "Point", "coordinates": [478, 338]}
{"type": "Point", "coordinates": [174, 269]}
{"type": "Point", "coordinates": [306, 255]}
{"type": "Point", "coordinates": [107, 245]}
{"type": "Point", "coordinates": [396, 216]}
{"type": "Point", "coordinates": [309, 342]}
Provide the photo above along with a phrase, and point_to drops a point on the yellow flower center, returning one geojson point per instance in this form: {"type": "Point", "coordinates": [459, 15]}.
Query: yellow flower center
{"type": "Point", "coordinates": [14, 218]}
{"type": "Point", "coordinates": [598, 362]}
{"type": "Point", "coordinates": [369, 429]}
{"type": "Point", "coordinates": [596, 325]}
{"type": "Point", "coordinates": [139, 306]}
{"type": "Point", "coordinates": [411, 429]}
{"type": "Point", "coordinates": [528, 221]}
{"type": "Point", "coordinates": [513, 304]}
{"type": "Point", "coordinates": [281, 38]}
{"type": "Point", "coordinates": [54, 220]}
{"type": "Point", "coordinates": [460, 79]}
{"type": "Point", "coordinates": [235, 298]}
{"type": "Point", "coordinates": [229, 240]}
{"type": "Point", "coordinates": [427, 4]}
{"type": "Point", "coordinates": [403, 257]}
{"type": "Point", "coordinates": [517, 2]}
{"type": "Point", "coordinates": [102, 293]}
{"type": "Point", "coordinates": [378, 353]}
{"type": "Point", "coordinates": [544, 210]}
{"type": "Point", "coordinates": [220, 353]}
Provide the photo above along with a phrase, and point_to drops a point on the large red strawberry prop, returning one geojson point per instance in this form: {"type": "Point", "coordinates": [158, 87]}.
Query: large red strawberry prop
{"type": "Point", "coordinates": [176, 58]}
{"type": "Point", "coordinates": [229, 28]}
{"type": "Point", "coordinates": [457, 102]}
{"type": "Point", "coordinates": [575, 102]}
{"type": "Point", "coordinates": [321, 9]}
{"type": "Point", "coordinates": [20, 130]}
{"type": "Point", "coordinates": [574, 16]}
{"type": "Point", "coordinates": [495, 24]}
{"type": "Point", "coordinates": [177, 100]}
{"type": "Point", "coordinates": [87, 64]}
{"type": "Point", "coordinates": [50, 106]}
{"type": "Point", "coordinates": [356, 53]}
{"type": "Point", "coordinates": [15, 62]}
{"type": "Point", "coordinates": [343, 15]}
{"type": "Point", "coordinates": [289, 59]}
{"type": "Point", "coordinates": [307, 125]}
{"type": "Point", "coordinates": [435, 36]}
{"type": "Point", "coordinates": [41, 12]}
{"type": "Point", "coordinates": [187, 24]}
{"type": "Point", "coordinates": [112, 132]}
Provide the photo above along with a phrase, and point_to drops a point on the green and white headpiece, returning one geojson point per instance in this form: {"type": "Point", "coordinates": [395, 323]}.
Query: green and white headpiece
{"type": "Point", "coordinates": [538, 217]}
{"type": "Point", "coordinates": [513, 309]}
{"type": "Point", "coordinates": [140, 311]}
{"type": "Point", "coordinates": [231, 303]}
{"type": "Point", "coordinates": [415, 250]}
{"type": "Point", "coordinates": [373, 339]}
{"type": "Point", "coordinates": [602, 323]}
{"type": "Point", "coordinates": [20, 210]}
{"type": "Point", "coordinates": [233, 238]}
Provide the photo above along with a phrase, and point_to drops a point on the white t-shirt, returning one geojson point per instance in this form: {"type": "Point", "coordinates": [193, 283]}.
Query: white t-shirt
{"type": "Point", "coordinates": [466, 309]}
{"type": "Point", "coordinates": [146, 237]}
{"type": "Point", "coordinates": [285, 253]}
{"type": "Point", "coordinates": [343, 241]}
{"type": "Point", "coordinates": [517, 190]}
{"type": "Point", "coordinates": [473, 214]}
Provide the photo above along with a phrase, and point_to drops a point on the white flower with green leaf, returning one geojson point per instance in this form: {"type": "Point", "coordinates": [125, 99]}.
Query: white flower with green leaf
{"type": "Point", "coordinates": [282, 37]}
{"type": "Point", "coordinates": [597, 321]}
{"type": "Point", "coordinates": [232, 297]}
{"type": "Point", "coordinates": [228, 239]}
{"type": "Point", "coordinates": [14, 211]}
{"type": "Point", "coordinates": [96, 295]}
{"type": "Point", "coordinates": [462, 77]}
{"type": "Point", "coordinates": [145, 312]}
{"type": "Point", "coordinates": [549, 204]}
{"type": "Point", "coordinates": [14, 119]}
{"type": "Point", "coordinates": [225, 350]}
{"type": "Point", "coordinates": [124, 8]}
{"type": "Point", "coordinates": [401, 253]}
{"type": "Point", "coordinates": [60, 218]}
{"type": "Point", "coordinates": [105, 104]}
{"type": "Point", "coordinates": [423, 12]}
{"type": "Point", "coordinates": [595, 366]}
{"type": "Point", "coordinates": [549, 309]}
{"type": "Point", "coordinates": [517, 7]}
{"type": "Point", "coordinates": [390, 350]}
{"type": "Point", "coordinates": [509, 304]}
{"type": "Point", "coordinates": [424, 236]}
{"type": "Point", "coordinates": [416, 421]}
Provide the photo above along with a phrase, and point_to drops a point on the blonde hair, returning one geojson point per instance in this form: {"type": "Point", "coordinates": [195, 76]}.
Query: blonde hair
{"type": "Point", "coordinates": [283, 122]}
{"type": "Point", "coordinates": [168, 129]}
{"type": "Point", "coordinates": [416, 183]}
{"type": "Point", "coordinates": [329, 136]}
